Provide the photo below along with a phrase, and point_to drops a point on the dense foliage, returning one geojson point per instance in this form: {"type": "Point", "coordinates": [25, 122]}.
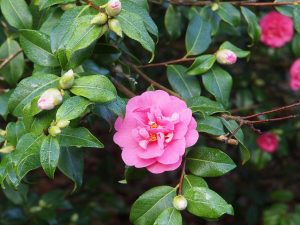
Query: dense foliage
{"type": "Point", "coordinates": [77, 74]}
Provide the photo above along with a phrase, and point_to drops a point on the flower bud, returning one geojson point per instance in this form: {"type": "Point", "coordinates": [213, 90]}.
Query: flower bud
{"type": "Point", "coordinates": [99, 19]}
{"type": "Point", "coordinates": [49, 99]}
{"type": "Point", "coordinates": [104, 29]}
{"type": "Point", "coordinates": [113, 8]}
{"type": "Point", "coordinates": [214, 6]}
{"type": "Point", "coordinates": [180, 202]}
{"type": "Point", "coordinates": [114, 25]}
{"type": "Point", "coordinates": [2, 133]}
{"type": "Point", "coordinates": [225, 56]}
{"type": "Point", "coordinates": [63, 123]}
{"type": "Point", "coordinates": [67, 80]}
{"type": "Point", "coordinates": [54, 131]}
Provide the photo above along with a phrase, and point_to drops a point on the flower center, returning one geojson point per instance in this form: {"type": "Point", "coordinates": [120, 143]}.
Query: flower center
{"type": "Point", "coordinates": [152, 137]}
{"type": "Point", "coordinates": [153, 125]}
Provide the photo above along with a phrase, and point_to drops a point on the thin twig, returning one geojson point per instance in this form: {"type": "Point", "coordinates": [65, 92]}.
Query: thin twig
{"type": "Point", "coordinates": [181, 178]}
{"type": "Point", "coordinates": [238, 3]}
{"type": "Point", "coordinates": [122, 88]}
{"type": "Point", "coordinates": [154, 83]}
{"type": "Point", "coordinates": [175, 61]}
{"type": "Point", "coordinates": [91, 4]}
{"type": "Point", "coordinates": [10, 58]}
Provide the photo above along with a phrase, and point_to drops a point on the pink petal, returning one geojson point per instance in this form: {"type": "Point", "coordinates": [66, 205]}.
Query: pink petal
{"type": "Point", "coordinates": [192, 134]}
{"type": "Point", "coordinates": [130, 158]}
{"type": "Point", "coordinates": [173, 152]}
{"type": "Point", "coordinates": [152, 151]}
{"type": "Point", "coordinates": [157, 168]}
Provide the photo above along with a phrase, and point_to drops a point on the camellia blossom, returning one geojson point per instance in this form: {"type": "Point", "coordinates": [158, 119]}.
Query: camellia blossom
{"type": "Point", "coordinates": [295, 75]}
{"type": "Point", "coordinates": [276, 29]}
{"type": "Point", "coordinates": [267, 142]}
{"type": "Point", "coordinates": [156, 130]}
{"type": "Point", "coordinates": [226, 56]}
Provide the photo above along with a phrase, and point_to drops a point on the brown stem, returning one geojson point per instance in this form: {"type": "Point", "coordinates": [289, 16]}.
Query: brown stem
{"type": "Point", "coordinates": [91, 4]}
{"type": "Point", "coordinates": [272, 110]}
{"type": "Point", "coordinates": [154, 83]}
{"type": "Point", "coordinates": [9, 58]}
{"type": "Point", "coordinates": [122, 88]}
{"type": "Point", "coordinates": [272, 120]}
{"type": "Point", "coordinates": [238, 3]}
{"type": "Point", "coordinates": [175, 61]}
{"type": "Point", "coordinates": [181, 178]}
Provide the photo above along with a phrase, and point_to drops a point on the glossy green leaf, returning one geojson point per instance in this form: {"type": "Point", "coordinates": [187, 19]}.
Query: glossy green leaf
{"type": "Point", "coordinates": [173, 22]}
{"type": "Point", "coordinates": [296, 17]}
{"type": "Point", "coordinates": [71, 164]}
{"type": "Point", "coordinates": [239, 52]}
{"type": "Point", "coordinates": [210, 125]}
{"type": "Point", "coordinates": [198, 36]}
{"type": "Point", "coordinates": [36, 46]}
{"type": "Point", "coordinates": [209, 162]}
{"type": "Point", "coordinates": [229, 14]}
{"type": "Point", "coordinates": [169, 216]}
{"type": "Point", "coordinates": [205, 105]}
{"type": "Point", "coordinates": [49, 155]}
{"type": "Point", "coordinates": [49, 3]}
{"type": "Point", "coordinates": [14, 131]}
{"type": "Point", "coordinates": [186, 86]}
{"type": "Point", "coordinates": [206, 203]}
{"type": "Point", "coordinates": [201, 64]}
{"type": "Point", "coordinates": [253, 26]}
{"type": "Point", "coordinates": [13, 71]}
{"type": "Point", "coordinates": [96, 88]}
{"type": "Point", "coordinates": [149, 206]}
{"type": "Point", "coordinates": [296, 45]}
{"type": "Point", "coordinates": [4, 97]}
{"type": "Point", "coordinates": [78, 137]}
{"type": "Point", "coordinates": [190, 181]}
{"type": "Point", "coordinates": [72, 108]}
{"type": "Point", "coordinates": [212, 17]}
{"type": "Point", "coordinates": [232, 126]}
{"type": "Point", "coordinates": [218, 82]}
{"type": "Point", "coordinates": [17, 13]}
{"type": "Point", "coordinates": [28, 89]}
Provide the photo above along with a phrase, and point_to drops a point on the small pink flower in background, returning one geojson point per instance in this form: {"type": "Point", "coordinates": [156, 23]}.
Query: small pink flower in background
{"type": "Point", "coordinates": [225, 56]}
{"type": "Point", "coordinates": [155, 132]}
{"type": "Point", "coordinates": [276, 29]}
{"type": "Point", "coordinates": [267, 142]}
{"type": "Point", "coordinates": [295, 75]}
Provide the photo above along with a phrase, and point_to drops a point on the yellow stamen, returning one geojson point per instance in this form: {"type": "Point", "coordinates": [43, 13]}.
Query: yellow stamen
{"type": "Point", "coordinates": [152, 137]}
{"type": "Point", "coordinates": [154, 125]}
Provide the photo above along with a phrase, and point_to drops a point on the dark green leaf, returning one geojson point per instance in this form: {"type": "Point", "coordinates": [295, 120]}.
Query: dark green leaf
{"type": "Point", "coordinates": [253, 27]}
{"type": "Point", "coordinates": [210, 125]}
{"type": "Point", "coordinates": [190, 181]}
{"type": "Point", "coordinates": [169, 216]}
{"type": "Point", "coordinates": [14, 132]}
{"type": "Point", "coordinates": [296, 45]}
{"type": "Point", "coordinates": [49, 3]}
{"type": "Point", "coordinates": [229, 14]}
{"type": "Point", "coordinates": [209, 162]}
{"type": "Point", "coordinates": [205, 105]}
{"type": "Point", "coordinates": [186, 86]}
{"type": "Point", "coordinates": [173, 22]}
{"type": "Point", "coordinates": [296, 17]}
{"type": "Point", "coordinates": [201, 64]}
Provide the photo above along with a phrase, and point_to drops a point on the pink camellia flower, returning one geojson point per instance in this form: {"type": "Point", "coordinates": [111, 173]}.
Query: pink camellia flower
{"type": "Point", "coordinates": [49, 99]}
{"type": "Point", "coordinates": [155, 132]}
{"type": "Point", "coordinates": [276, 29]}
{"type": "Point", "coordinates": [295, 75]}
{"type": "Point", "coordinates": [113, 8]}
{"type": "Point", "coordinates": [226, 56]}
{"type": "Point", "coordinates": [267, 142]}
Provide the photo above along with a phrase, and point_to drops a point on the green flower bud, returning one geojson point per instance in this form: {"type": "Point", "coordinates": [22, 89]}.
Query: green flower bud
{"type": "Point", "coordinates": [114, 25]}
{"type": "Point", "coordinates": [54, 131]}
{"type": "Point", "coordinates": [180, 202]}
{"type": "Point", "coordinates": [63, 123]}
{"type": "Point", "coordinates": [100, 19]}
{"type": "Point", "coordinates": [104, 29]}
{"type": "Point", "coordinates": [215, 6]}
{"type": "Point", "coordinates": [67, 80]}
{"type": "Point", "coordinates": [113, 8]}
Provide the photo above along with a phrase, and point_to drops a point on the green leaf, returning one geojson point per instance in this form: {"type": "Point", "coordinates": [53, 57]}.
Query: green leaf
{"type": "Point", "coordinates": [186, 86]}
{"type": "Point", "coordinates": [96, 88]}
{"type": "Point", "coordinates": [149, 206]}
{"type": "Point", "coordinates": [190, 181]}
{"type": "Point", "coordinates": [72, 108]}
{"type": "Point", "coordinates": [296, 17]}
{"type": "Point", "coordinates": [210, 125]}
{"type": "Point", "coordinates": [17, 13]}
{"type": "Point", "coordinates": [212, 17]}
{"type": "Point", "coordinates": [28, 89]}
{"type": "Point", "coordinates": [27, 154]}
{"type": "Point", "coordinates": [286, 10]}
{"type": "Point", "coordinates": [173, 22]}
{"type": "Point", "coordinates": [201, 64]}
{"type": "Point", "coordinates": [13, 71]}
{"type": "Point", "coordinates": [169, 216]}
{"type": "Point", "coordinates": [14, 132]}
{"type": "Point", "coordinates": [232, 126]}
{"type": "Point", "coordinates": [78, 137]}
{"type": "Point", "coordinates": [49, 3]}
{"type": "Point", "coordinates": [71, 164]}
{"type": "Point", "coordinates": [296, 45]}
{"type": "Point", "coordinates": [206, 203]}
{"type": "Point", "coordinates": [209, 162]}
{"type": "Point", "coordinates": [49, 155]}
{"type": "Point", "coordinates": [36, 46]}
{"type": "Point", "coordinates": [4, 97]}
{"type": "Point", "coordinates": [239, 52]}
{"type": "Point", "coordinates": [218, 82]}
{"type": "Point", "coordinates": [134, 27]}
{"type": "Point", "coordinates": [229, 14]}
{"type": "Point", "coordinates": [205, 106]}
{"type": "Point", "coordinates": [198, 36]}
{"type": "Point", "coordinates": [253, 26]}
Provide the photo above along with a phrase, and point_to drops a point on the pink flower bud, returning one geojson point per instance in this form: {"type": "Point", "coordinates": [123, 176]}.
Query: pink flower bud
{"type": "Point", "coordinates": [49, 99]}
{"type": "Point", "coordinates": [225, 56]}
{"type": "Point", "coordinates": [113, 8]}
{"type": "Point", "coordinates": [267, 142]}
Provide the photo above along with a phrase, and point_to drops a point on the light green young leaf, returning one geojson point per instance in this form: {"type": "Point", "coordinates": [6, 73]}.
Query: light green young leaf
{"type": "Point", "coordinates": [169, 216]}
{"type": "Point", "coordinates": [49, 3]}
{"type": "Point", "coordinates": [239, 52]}
{"type": "Point", "coordinates": [201, 64]}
